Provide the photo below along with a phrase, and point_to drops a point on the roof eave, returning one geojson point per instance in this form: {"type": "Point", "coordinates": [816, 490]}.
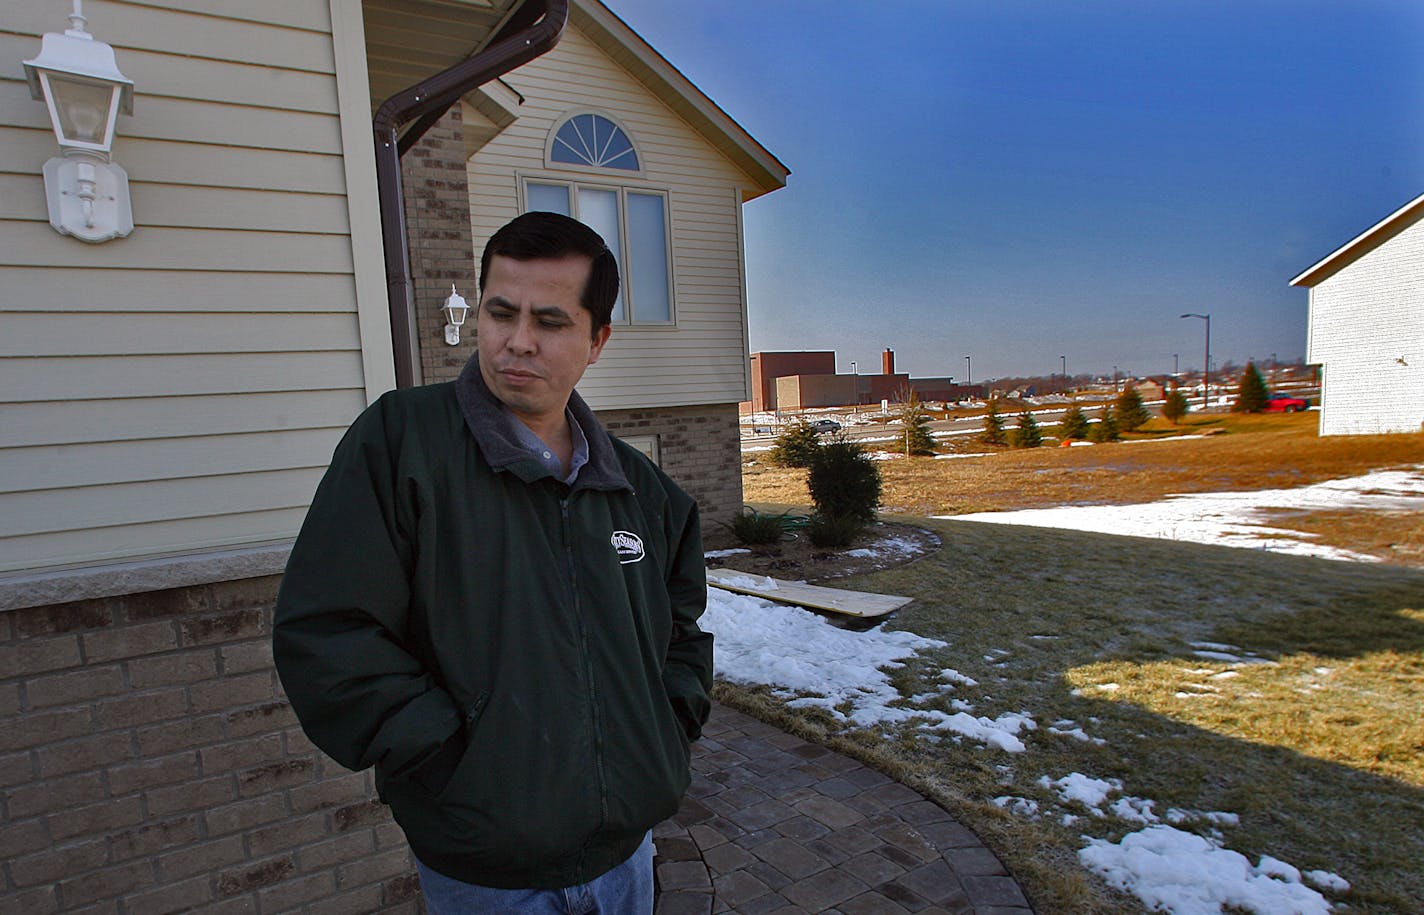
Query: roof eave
{"type": "Point", "coordinates": [1362, 244]}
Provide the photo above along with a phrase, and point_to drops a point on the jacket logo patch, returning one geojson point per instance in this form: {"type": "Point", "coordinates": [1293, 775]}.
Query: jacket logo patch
{"type": "Point", "coordinates": [628, 545]}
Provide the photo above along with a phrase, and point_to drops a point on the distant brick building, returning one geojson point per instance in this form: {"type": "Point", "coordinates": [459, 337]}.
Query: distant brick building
{"type": "Point", "coordinates": [767, 367]}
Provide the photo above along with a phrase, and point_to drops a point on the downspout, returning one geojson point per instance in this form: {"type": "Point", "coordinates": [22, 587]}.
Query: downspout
{"type": "Point", "coordinates": [536, 27]}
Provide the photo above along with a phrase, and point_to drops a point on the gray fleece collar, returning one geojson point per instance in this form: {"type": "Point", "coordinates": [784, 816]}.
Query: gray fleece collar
{"type": "Point", "coordinates": [490, 422]}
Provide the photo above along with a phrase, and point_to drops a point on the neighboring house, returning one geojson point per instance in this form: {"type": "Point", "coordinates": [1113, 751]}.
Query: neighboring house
{"type": "Point", "coordinates": [1366, 328]}
{"type": "Point", "coordinates": [169, 400]}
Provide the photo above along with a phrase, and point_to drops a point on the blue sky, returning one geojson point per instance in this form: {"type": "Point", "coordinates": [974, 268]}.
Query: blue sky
{"type": "Point", "coordinates": [1022, 179]}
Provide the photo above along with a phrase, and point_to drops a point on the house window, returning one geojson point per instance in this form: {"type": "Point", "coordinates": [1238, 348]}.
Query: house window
{"type": "Point", "coordinates": [648, 444]}
{"type": "Point", "coordinates": [634, 224]}
{"type": "Point", "coordinates": [591, 139]}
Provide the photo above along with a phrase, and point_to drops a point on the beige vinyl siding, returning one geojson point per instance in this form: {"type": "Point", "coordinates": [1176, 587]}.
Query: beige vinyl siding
{"type": "Point", "coordinates": [180, 389]}
{"type": "Point", "coordinates": [701, 359]}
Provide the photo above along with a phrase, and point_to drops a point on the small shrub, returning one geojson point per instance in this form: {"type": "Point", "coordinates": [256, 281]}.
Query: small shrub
{"type": "Point", "coordinates": [1129, 410]}
{"type": "Point", "coordinates": [753, 528]}
{"type": "Point", "coordinates": [916, 438]}
{"type": "Point", "coordinates": [796, 446]}
{"type": "Point", "coordinates": [1175, 406]}
{"type": "Point", "coordinates": [1251, 392]}
{"type": "Point", "coordinates": [1026, 434]}
{"type": "Point", "coordinates": [1074, 424]}
{"type": "Point", "coordinates": [1105, 429]}
{"type": "Point", "coordinates": [844, 482]}
{"type": "Point", "coordinates": [829, 531]}
{"type": "Point", "coordinates": [993, 433]}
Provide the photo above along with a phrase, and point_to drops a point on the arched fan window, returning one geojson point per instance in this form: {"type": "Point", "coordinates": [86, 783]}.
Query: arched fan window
{"type": "Point", "coordinates": [591, 139]}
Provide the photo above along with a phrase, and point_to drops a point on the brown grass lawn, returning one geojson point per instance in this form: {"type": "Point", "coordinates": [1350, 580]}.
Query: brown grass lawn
{"type": "Point", "coordinates": [1318, 745]}
{"type": "Point", "coordinates": [1273, 451]}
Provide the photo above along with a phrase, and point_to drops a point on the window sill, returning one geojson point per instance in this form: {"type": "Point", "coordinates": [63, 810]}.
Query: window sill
{"type": "Point", "coordinates": [60, 586]}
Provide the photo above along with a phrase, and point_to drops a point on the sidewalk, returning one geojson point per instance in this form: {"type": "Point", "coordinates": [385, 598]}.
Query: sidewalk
{"type": "Point", "coordinates": [775, 824]}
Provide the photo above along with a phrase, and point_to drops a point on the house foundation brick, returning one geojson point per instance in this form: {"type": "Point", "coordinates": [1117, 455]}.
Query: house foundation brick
{"type": "Point", "coordinates": [698, 446]}
{"type": "Point", "coordinates": [149, 761]}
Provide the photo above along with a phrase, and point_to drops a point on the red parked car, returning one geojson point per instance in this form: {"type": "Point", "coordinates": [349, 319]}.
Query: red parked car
{"type": "Point", "coordinates": [1284, 403]}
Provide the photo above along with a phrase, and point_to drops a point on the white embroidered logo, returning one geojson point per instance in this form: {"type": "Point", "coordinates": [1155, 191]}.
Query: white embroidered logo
{"type": "Point", "coordinates": [628, 545]}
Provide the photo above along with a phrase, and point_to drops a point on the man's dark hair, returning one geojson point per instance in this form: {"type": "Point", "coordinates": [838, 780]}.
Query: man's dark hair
{"type": "Point", "coordinates": [539, 235]}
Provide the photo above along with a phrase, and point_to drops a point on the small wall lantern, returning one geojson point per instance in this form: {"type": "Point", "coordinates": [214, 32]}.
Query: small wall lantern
{"type": "Point", "coordinates": [79, 81]}
{"type": "Point", "coordinates": [456, 309]}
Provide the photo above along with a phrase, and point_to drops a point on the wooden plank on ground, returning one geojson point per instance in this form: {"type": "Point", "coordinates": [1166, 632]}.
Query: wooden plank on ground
{"type": "Point", "coordinates": [833, 600]}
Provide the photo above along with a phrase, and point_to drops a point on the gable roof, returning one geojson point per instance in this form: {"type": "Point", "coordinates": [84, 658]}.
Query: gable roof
{"type": "Point", "coordinates": [639, 58]}
{"type": "Point", "coordinates": [1363, 244]}
{"type": "Point", "coordinates": [410, 40]}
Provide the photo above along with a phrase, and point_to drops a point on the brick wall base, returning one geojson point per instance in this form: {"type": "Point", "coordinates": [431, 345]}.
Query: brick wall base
{"type": "Point", "coordinates": [699, 447]}
{"type": "Point", "coordinates": [149, 762]}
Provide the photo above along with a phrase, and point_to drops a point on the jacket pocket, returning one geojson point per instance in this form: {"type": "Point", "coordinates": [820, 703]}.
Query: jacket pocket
{"type": "Point", "coordinates": [473, 713]}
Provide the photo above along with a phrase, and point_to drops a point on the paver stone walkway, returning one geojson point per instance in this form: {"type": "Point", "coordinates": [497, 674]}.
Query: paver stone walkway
{"type": "Point", "coordinates": [775, 824]}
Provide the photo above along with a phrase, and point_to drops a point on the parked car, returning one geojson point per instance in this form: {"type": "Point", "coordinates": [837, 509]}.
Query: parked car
{"type": "Point", "coordinates": [826, 425]}
{"type": "Point", "coordinates": [1284, 403]}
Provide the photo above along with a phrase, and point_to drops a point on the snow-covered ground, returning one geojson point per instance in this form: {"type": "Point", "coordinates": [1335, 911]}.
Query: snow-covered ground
{"type": "Point", "coordinates": [1175, 861]}
{"type": "Point", "coordinates": [1240, 519]}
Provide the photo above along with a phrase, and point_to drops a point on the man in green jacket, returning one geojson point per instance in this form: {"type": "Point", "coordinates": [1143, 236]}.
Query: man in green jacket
{"type": "Point", "coordinates": [495, 603]}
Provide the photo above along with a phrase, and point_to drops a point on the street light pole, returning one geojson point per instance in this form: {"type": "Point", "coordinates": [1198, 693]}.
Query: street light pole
{"type": "Point", "coordinates": [1206, 359]}
{"type": "Point", "coordinates": [1063, 360]}
{"type": "Point", "coordinates": [968, 375]}
{"type": "Point", "coordinates": [856, 371]}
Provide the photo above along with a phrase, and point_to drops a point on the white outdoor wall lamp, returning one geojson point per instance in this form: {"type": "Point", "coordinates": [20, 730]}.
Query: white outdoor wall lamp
{"type": "Point", "coordinates": [80, 83]}
{"type": "Point", "coordinates": [456, 310]}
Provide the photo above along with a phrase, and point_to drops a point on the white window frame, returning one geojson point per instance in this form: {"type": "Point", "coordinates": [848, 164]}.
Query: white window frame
{"type": "Point", "coordinates": [648, 444]}
{"type": "Point", "coordinates": [613, 172]}
{"type": "Point", "coordinates": [572, 184]}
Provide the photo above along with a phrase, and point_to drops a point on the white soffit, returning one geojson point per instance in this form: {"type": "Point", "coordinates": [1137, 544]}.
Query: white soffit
{"type": "Point", "coordinates": [408, 41]}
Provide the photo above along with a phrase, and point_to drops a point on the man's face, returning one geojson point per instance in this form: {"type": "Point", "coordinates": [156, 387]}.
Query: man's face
{"type": "Point", "coordinates": [535, 338]}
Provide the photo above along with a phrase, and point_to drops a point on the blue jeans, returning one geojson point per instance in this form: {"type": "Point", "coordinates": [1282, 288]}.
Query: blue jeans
{"type": "Point", "coordinates": [625, 890]}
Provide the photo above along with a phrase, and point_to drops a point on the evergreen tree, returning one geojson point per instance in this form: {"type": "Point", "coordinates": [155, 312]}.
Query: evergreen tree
{"type": "Point", "coordinates": [1175, 407]}
{"type": "Point", "coordinates": [845, 487]}
{"type": "Point", "coordinates": [1026, 435]}
{"type": "Point", "coordinates": [1129, 411]}
{"type": "Point", "coordinates": [796, 446]}
{"type": "Point", "coordinates": [1074, 424]}
{"type": "Point", "coordinates": [1105, 429]}
{"type": "Point", "coordinates": [993, 433]}
{"type": "Point", "coordinates": [1251, 392]}
{"type": "Point", "coordinates": [915, 418]}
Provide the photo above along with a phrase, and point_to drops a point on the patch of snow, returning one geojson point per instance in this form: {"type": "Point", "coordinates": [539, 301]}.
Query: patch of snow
{"type": "Point", "coordinates": [1075, 786]}
{"type": "Point", "coordinates": [1328, 881]}
{"type": "Point", "coordinates": [1232, 518]}
{"type": "Point", "coordinates": [954, 676]}
{"type": "Point", "coordinates": [1187, 874]}
{"type": "Point", "coordinates": [1076, 733]}
{"type": "Point", "coordinates": [799, 652]}
{"type": "Point", "coordinates": [1020, 806]}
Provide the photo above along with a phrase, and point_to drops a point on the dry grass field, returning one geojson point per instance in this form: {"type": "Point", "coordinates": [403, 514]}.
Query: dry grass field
{"type": "Point", "coordinates": [1317, 743]}
{"type": "Point", "coordinates": [1224, 453]}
